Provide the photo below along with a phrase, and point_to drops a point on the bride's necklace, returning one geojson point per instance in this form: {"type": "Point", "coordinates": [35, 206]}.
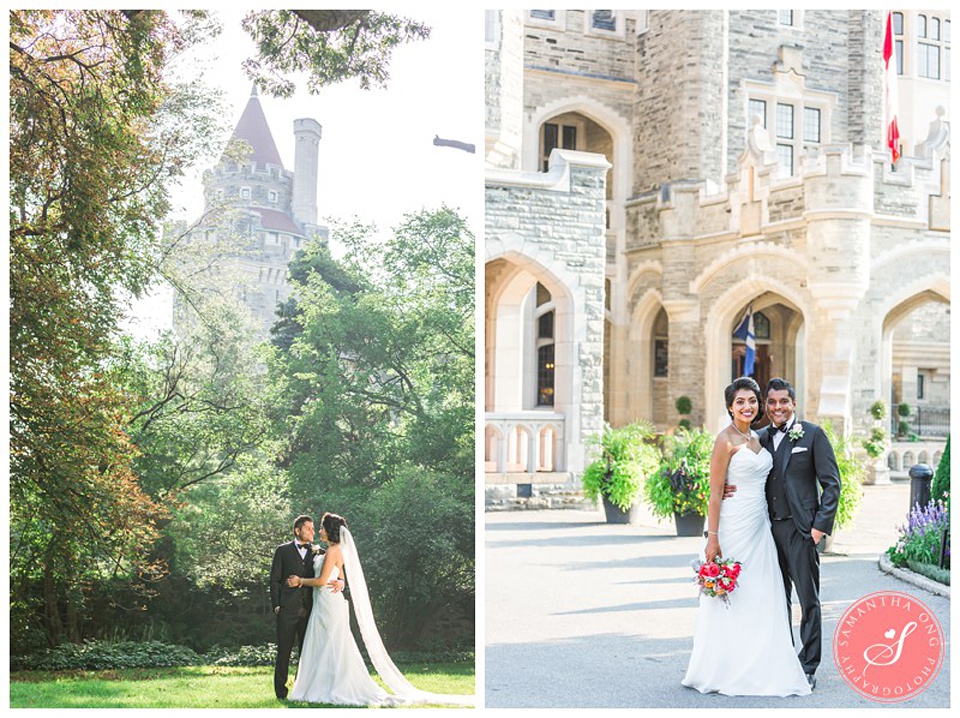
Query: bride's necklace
{"type": "Point", "coordinates": [748, 436]}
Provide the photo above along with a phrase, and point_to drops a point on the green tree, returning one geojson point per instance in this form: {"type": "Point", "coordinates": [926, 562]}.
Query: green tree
{"type": "Point", "coordinates": [329, 45]}
{"type": "Point", "coordinates": [89, 162]}
{"type": "Point", "coordinates": [372, 376]}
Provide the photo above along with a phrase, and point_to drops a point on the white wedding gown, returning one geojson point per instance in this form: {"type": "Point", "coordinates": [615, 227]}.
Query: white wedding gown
{"type": "Point", "coordinates": [746, 649]}
{"type": "Point", "coordinates": [331, 669]}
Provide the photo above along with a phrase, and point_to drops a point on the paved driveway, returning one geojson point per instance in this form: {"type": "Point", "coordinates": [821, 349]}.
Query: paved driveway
{"type": "Point", "coordinates": [580, 613]}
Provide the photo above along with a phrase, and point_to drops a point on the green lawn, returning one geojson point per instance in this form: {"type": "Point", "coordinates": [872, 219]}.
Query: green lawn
{"type": "Point", "coordinates": [193, 686]}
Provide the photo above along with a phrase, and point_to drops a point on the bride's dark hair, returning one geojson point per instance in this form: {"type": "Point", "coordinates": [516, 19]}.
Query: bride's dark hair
{"type": "Point", "coordinates": [332, 523]}
{"type": "Point", "coordinates": [744, 382]}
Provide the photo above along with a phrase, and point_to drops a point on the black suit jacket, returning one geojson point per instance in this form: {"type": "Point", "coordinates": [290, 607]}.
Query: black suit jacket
{"type": "Point", "coordinates": [286, 563]}
{"type": "Point", "coordinates": [808, 462]}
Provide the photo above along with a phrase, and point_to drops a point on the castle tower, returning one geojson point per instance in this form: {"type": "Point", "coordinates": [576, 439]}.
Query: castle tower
{"type": "Point", "coordinates": [305, 168]}
{"type": "Point", "coordinates": [258, 215]}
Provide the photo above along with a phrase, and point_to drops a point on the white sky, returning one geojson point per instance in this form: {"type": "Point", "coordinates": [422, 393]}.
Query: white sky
{"type": "Point", "coordinates": [377, 158]}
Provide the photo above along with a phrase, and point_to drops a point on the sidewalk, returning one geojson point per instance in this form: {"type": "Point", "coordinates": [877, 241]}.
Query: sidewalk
{"type": "Point", "coordinates": [580, 613]}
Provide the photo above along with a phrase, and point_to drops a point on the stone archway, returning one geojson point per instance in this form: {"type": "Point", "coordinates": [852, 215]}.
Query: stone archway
{"type": "Point", "coordinates": [724, 315]}
{"type": "Point", "coordinates": [915, 346]}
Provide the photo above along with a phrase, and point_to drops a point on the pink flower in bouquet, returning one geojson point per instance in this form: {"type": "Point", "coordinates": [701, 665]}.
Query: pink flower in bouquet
{"type": "Point", "coordinates": [717, 578]}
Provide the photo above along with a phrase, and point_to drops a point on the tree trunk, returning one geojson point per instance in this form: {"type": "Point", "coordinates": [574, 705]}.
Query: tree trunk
{"type": "Point", "coordinates": [51, 608]}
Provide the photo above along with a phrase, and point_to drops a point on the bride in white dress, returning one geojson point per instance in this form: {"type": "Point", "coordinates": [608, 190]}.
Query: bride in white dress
{"type": "Point", "coordinates": [331, 669]}
{"type": "Point", "coordinates": [746, 648]}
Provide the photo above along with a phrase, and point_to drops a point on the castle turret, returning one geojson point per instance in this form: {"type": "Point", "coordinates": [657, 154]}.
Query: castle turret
{"type": "Point", "coordinates": [305, 167]}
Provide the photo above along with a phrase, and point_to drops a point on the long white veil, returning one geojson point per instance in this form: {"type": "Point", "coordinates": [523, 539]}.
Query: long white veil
{"type": "Point", "coordinates": [390, 674]}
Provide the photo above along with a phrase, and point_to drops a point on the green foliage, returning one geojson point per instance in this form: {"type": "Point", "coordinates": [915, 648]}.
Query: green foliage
{"type": "Point", "coordinates": [329, 45]}
{"type": "Point", "coordinates": [852, 474]}
{"type": "Point", "coordinates": [209, 548]}
{"type": "Point", "coordinates": [371, 376]}
{"type": "Point", "coordinates": [878, 410]}
{"type": "Point", "coordinates": [921, 538]}
{"type": "Point", "coordinates": [940, 487]}
{"type": "Point", "coordinates": [684, 405]}
{"type": "Point", "coordinates": [682, 484]}
{"type": "Point", "coordinates": [903, 428]}
{"type": "Point", "coordinates": [263, 655]}
{"type": "Point", "coordinates": [96, 134]}
{"type": "Point", "coordinates": [903, 409]}
{"type": "Point", "coordinates": [626, 458]}
{"type": "Point", "coordinates": [932, 571]}
{"type": "Point", "coordinates": [876, 444]}
{"type": "Point", "coordinates": [99, 655]}
{"type": "Point", "coordinates": [685, 424]}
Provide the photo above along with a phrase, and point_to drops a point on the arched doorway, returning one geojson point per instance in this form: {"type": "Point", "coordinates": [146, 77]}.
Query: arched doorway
{"type": "Point", "coordinates": [916, 364]}
{"type": "Point", "coordinates": [779, 353]}
{"type": "Point", "coordinates": [528, 367]}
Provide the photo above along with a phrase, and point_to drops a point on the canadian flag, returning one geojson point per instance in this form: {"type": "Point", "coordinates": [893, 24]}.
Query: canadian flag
{"type": "Point", "coordinates": [890, 82]}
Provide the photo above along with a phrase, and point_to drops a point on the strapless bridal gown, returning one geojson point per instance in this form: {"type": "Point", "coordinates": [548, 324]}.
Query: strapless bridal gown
{"type": "Point", "coordinates": [746, 649]}
{"type": "Point", "coordinates": [331, 669]}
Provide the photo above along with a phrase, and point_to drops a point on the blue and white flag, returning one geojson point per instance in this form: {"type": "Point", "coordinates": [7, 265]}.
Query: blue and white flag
{"type": "Point", "coordinates": [745, 332]}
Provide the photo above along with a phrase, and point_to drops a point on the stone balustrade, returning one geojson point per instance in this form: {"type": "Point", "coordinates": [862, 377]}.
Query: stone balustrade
{"type": "Point", "coordinates": [526, 442]}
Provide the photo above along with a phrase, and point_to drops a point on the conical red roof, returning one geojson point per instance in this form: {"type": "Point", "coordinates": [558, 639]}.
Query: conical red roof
{"type": "Point", "coordinates": [253, 128]}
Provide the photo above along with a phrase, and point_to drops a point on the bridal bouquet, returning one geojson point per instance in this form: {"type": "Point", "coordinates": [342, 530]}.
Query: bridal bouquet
{"type": "Point", "coordinates": [717, 578]}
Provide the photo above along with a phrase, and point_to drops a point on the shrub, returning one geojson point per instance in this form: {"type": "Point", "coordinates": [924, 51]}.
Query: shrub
{"type": "Point", "coordinates": [852, 473]}
{"type": "Point", "coordinates": [940, 575]}
{"type": "Point", "coordinates": [264, 655]}
{"type": "Point", "coordinates": [103, 655]}
{"type": "Point", "coordinates": [920, 538]}
{"type": "Point", "coordinates": [878, 410]}
{"type": "Point", "coordinates": [903, 409]}
{"type": "Point", "coordinates": [626, 459]}
{"type": "Point", "coordinates": [903, 428]}
{"type": "Point", "coordinates": [682, 484]}
{"type": "Point", "coordinates": [940, 488]}
{"type": "Point", "coordinates": [684, 405]}
{"type": "Point", "coordinates": [877, 443]}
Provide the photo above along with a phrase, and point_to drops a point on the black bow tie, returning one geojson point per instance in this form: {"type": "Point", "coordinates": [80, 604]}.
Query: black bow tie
{"type": "Point", "coordinates": [783, 427]}
{"type": "Point", "coordinates": [303, 545]}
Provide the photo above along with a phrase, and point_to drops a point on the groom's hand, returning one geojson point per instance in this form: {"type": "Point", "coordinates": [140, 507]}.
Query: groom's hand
{"type": "Point", "coordinates": [816, 535]}
{"type": "Point", "coordinates": [729, 490]}
{"type": "Point", "coordinates": [337, 585]}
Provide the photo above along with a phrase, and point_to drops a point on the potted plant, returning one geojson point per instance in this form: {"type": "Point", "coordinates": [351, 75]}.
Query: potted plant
{"type": "Point", "coordinates": [903, 426]}
{"type": "Point", "coordinates": [684, 407]}
{"type": "Point", "coordinates": [626, 458]}
{"type": "Point", "coordinates": [876, 445]}
{"type": "Point", "coordinates": [852, 476]}
{"type": "Point", "coordinates": [681, 487]}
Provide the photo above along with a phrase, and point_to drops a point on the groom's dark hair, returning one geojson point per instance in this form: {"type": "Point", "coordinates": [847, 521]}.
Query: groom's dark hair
{"type": "Point", "coordinates": [778, 384]}
{"type": "Point", "coordinates": [300, 521]}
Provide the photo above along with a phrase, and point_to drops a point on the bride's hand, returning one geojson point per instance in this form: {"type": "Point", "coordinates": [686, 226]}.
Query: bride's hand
{"type": "Point", "coordinates": [294, 582]}
{"type": "Point", "coordinates": [713, 549]}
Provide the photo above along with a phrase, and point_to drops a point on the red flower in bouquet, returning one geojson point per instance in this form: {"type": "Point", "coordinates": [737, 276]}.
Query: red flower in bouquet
{"type": "Point", "coordinates": [717, 578]}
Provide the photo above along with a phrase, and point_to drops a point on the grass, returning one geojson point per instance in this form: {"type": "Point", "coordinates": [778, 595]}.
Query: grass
{"type": "Point", "coordinates": [194, 686]}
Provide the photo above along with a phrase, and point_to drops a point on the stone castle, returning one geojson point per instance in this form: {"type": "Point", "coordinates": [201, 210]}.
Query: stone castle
{"type": "Point", "coordinates": [267, 211]}
{"type": "Point", "coordinates": [654, 176]}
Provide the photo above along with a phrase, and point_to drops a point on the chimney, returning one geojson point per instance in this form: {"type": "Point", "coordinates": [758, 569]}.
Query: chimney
{"type": "Point", "coordinates": [305, 167]}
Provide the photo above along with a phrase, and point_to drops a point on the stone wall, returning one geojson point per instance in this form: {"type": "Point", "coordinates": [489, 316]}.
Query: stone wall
{"type": "Point", "coordinates": [552, 225]}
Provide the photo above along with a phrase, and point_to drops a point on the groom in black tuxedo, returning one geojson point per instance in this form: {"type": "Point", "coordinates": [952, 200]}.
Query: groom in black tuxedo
{"type": "Point", "coordinates": [292, 605]}
{"type": "Point", "coordinates": [800, 514]}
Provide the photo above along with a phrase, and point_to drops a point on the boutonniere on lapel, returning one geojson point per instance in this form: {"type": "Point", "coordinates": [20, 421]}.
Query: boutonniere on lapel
{"type": "Point", "coordinates": [796, 432]}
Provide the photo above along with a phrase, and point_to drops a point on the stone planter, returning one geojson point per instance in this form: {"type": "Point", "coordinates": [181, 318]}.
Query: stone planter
{"type": "Point", "coordinates": [689, 524]}
{"type": "Point", "coordinates": [617, 516]}
{"type": "Point", "coordinates": [878, 472]}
